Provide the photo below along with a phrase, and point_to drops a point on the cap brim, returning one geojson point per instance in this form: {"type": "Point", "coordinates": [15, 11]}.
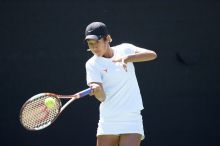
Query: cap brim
{"type": "Point", "coordinates": [91, 37]}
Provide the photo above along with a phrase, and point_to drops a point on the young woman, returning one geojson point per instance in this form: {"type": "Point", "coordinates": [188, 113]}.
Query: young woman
{"type": "Point", "coordinates": [111, 75]}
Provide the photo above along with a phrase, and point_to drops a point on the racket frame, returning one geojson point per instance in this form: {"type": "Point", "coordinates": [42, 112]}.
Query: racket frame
{"type": "Point", "coordinates": [60, 108]}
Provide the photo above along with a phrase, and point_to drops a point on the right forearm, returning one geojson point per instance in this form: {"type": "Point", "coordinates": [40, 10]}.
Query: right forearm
{"type": "Point", "coordinates": [100, 97]}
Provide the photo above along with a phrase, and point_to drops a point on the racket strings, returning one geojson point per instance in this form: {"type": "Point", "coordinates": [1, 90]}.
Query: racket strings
{"type": "Point", "coordinates": [36, 115]}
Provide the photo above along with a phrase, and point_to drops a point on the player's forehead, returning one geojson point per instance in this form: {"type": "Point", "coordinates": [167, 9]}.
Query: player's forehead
{"type": "Point", "coordinates": [93, 41]}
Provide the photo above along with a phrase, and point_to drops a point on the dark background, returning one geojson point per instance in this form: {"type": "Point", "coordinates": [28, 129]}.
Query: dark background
{"type": "Point", "coordinates": [43, 49]}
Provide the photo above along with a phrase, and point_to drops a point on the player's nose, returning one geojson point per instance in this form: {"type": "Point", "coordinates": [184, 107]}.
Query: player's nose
{"type": "Point", "coordinates": [94, 48]}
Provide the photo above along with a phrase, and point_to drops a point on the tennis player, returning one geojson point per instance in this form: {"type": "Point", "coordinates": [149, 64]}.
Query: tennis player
{"type": "Point", "coordinates": [111, 74]}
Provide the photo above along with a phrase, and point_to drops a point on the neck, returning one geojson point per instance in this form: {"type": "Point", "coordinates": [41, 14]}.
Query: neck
{"type": "Point", "coordinates": [109, 53]}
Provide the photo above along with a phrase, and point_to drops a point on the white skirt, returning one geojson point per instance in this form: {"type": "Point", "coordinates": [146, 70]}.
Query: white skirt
{"type": "Point", "coordinates": [121, 124]}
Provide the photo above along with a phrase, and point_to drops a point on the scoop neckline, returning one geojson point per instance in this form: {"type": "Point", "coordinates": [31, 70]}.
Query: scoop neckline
{"type": "Point", "coordinates": [110, 57]}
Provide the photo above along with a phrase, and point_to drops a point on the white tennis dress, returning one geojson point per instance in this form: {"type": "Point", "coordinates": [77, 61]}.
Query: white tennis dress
{"type": "Point", "coordinates": [120, 113]}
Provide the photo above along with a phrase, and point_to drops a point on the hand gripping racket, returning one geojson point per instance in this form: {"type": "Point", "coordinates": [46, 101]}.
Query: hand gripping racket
{"type": "Point", "coordinates": [35, 115]}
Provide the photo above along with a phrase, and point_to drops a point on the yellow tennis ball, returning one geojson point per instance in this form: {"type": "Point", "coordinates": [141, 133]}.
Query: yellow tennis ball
{"type": "Point", "coordinates": [50, 102]}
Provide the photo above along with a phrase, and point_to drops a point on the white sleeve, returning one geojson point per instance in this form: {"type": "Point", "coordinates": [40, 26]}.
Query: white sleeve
{"type": "Point", "coordinates": [92, 74]}
{"type": "Point", "coordinates": [130, 48]}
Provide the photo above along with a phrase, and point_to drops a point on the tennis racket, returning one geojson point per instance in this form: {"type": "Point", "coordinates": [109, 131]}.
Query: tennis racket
{"type": "Point", "coordinates": [35, 115]}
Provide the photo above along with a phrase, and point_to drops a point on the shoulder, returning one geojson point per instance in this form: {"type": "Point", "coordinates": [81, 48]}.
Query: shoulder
{"type": "Point", "coordinates": [126, 48]}
{"type": "Point", "coordinates": [91, 61]}
{"type": "Point", "coordinates": [124, 45]}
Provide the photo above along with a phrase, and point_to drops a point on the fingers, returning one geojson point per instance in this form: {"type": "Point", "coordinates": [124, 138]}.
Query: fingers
{"type": "Point", "coordinates": [98, 91]}
{"type": "Point", "coordinates": [92, 93]}
{"type": "Point", "coordinates": [124, 65]}
{"type": "Point", "coordinates": [122, 61]}
{"type": "Point", "coordinates": [95, 88]}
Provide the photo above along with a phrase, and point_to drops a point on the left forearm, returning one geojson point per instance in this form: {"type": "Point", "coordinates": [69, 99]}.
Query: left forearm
{"type": "Point", "coordinates": [141, 56]}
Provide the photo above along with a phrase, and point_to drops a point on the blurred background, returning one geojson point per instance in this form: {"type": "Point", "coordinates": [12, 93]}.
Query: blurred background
{"type": "Point", "coordinates": [43, 50]}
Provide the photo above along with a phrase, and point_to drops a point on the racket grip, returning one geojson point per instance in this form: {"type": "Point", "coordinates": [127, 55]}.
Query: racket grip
{"type": "Point", "coordinates": [85, 92]}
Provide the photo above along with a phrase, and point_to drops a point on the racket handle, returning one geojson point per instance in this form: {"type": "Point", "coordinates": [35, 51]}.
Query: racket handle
{"type": "Point", "coordinates": [85, 92]}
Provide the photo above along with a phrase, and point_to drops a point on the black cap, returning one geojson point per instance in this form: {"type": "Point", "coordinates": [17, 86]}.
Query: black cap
{"type": "Point", "coordinates": [96, 30]}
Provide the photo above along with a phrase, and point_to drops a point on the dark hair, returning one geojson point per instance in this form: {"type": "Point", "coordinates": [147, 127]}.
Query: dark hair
{"type": "Point", "coordinates": [105, 38]}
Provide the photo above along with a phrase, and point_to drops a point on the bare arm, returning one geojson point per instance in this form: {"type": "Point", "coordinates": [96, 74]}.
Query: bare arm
{"type": "Point", "coordinates": [140, 55]}
{"type": "Point", "coordinates": [98, 91]}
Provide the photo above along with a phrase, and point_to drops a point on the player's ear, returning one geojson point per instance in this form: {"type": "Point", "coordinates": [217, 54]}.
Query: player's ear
{"type": "Point", "coordinates": [109, 38]}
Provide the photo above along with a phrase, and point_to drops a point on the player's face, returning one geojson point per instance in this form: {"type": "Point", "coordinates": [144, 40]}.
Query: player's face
{"type": "Point", "coordinates": [98, 47]}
